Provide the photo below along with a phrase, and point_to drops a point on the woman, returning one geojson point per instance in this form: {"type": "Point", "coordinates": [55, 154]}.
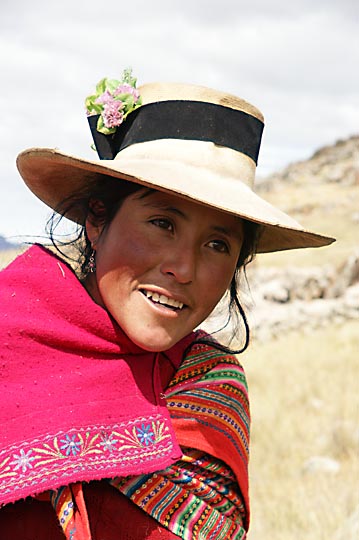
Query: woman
{"type": "Point", "coordinates": [117, 415]}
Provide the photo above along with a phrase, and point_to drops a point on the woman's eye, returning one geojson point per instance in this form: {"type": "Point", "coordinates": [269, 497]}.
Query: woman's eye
{"type": "Point", "coordinates": [219, 245]}
{"type": "Point", "coordinates": [163, 224]}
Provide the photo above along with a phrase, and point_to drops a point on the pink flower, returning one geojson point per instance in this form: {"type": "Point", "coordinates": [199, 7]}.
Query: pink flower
{"type": "Point", "coordinates": [112, 115]}
{"type": "Point", "coordinates": [106, 97]}
{"type": "Point", "coordinates": [127, 89]}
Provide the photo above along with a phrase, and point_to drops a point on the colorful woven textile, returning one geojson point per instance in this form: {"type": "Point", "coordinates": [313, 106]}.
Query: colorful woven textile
{"type": "Point", "coordinates": [196, 498]}
{"type": "Point", "coordinates": [200, 497]}
{"type": "Point", "coordinates": [209, 408]}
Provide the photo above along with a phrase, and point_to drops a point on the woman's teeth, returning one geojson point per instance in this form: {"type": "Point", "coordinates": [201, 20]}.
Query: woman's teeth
{"type": "Point", "coordinates": [162, 299]}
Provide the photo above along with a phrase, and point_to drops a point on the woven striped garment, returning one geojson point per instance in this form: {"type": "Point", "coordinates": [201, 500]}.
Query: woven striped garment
{"type": "Point", "coordinates": [205, 494]}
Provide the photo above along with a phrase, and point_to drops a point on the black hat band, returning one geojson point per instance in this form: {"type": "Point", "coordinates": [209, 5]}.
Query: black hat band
{"type": "Point", "coordinates": [185, 120]}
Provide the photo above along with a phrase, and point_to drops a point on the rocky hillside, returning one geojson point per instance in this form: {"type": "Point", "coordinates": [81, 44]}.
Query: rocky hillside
{"type": "Point", "coordinates": [321, 193]}
{"type": "Point", "coordinates": [338, 164]}
{"type": "Point", "coordinates": [305, 289]}
{"type": "Point", "coordinates": [309, 288]}
{"type": "Point", "coordinates": [303, 298]}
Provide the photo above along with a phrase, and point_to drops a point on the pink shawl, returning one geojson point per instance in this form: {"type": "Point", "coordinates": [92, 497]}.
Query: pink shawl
{"type": "Point", "coordinates": [78, 400]}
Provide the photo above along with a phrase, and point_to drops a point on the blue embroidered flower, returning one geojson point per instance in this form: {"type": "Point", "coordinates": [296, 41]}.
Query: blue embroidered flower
{"type": "Point", "coordinates": [108, 442]}
{"type": "Point", "coordinates": [22, 461]}
{"type": "Point", "coordinates": [145, 435]}
{"type": "Point", "coordinates": [70, 445]}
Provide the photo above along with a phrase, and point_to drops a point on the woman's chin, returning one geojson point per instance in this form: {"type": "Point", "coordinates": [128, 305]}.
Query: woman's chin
{"type": "Point", "coordinates": [154, 341]}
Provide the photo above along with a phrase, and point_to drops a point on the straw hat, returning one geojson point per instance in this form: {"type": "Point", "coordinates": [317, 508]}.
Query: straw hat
{"type": "Point", "coordinates": [198, 143]}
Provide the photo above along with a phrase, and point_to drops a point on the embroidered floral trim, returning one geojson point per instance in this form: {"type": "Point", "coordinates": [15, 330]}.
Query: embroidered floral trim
{"type": "Point", "coordinates": [100, 447]}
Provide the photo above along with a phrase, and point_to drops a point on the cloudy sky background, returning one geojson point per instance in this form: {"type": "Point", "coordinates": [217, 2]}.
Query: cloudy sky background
{"type": "Point", "coordinates": [298, 62]}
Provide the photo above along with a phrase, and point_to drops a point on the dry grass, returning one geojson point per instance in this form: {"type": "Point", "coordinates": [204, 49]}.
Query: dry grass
{"type": "Point", "coordinates": [304, 395]}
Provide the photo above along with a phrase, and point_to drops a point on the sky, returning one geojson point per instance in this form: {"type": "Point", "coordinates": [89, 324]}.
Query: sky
{"type": "Point", "coordinates": [296, 61]}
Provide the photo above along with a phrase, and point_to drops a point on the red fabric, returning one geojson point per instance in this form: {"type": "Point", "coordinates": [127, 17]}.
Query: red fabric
{"type": "Point", "coordinates": [115, 517]}
{"type": "Point", "coordinates": [69, 378]}
{"type": "Point", "coordinates": [112, 516]}
{"type": "Point", "coordinates": [29, 520]}
{"type": "Point", "coordinates": [81, 516]}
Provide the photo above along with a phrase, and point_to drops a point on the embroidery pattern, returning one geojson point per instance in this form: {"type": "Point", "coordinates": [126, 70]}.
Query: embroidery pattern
{"type": "Point", "coordinates": [97, 447]}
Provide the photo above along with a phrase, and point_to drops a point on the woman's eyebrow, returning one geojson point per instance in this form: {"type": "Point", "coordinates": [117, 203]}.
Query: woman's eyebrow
{"type": "Point", "coordinates": [224, 230]}
{"type": "Point", "coordinates": [167, 208]}
{"type": "Point", "coordinates": [230, 232]}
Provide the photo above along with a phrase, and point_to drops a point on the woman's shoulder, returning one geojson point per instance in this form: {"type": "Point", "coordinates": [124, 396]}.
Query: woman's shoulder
{"type": "Point", "coordinates": [205, 362]}
{"type": "Point", "coordinates": [205, 349]}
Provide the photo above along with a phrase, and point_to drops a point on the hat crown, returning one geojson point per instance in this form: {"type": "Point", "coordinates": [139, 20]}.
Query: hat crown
{"type": "Point", "coordinates": [156, 92]}
{"type": "Point", "coordinates": [184, 112]}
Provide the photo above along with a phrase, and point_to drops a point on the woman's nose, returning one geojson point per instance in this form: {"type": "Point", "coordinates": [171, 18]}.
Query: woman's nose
{"type": "Point", "coordinates": [181, 264]}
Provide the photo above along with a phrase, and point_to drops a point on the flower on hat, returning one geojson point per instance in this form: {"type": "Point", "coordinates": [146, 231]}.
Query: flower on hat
{"type": "Point", "coordinates": [112, 113]}
{"type": "Point", "coordinates": [113, 101]}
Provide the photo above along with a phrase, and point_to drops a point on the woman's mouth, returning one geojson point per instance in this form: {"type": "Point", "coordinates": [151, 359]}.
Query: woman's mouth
{"type": "Point", "coordinates": [162, 299]}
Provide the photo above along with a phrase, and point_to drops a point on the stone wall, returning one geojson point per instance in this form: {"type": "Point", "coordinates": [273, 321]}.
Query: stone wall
{"type": "Point", "coordinates": [281, 300]}
{"type": "Point", "coordinates": [303, 298]}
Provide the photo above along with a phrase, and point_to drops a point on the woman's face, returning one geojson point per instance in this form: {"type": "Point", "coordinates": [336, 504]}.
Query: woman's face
{"type": "Point", "coordinates": [162, 265]}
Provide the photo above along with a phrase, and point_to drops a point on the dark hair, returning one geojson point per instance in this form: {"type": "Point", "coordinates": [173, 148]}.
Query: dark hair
{"type": "Point", "coordinates": [99, 202]}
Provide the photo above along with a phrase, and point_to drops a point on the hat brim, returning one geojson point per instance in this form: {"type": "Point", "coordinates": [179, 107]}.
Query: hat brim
{"type": "Point", "coordinates": [53, 176]}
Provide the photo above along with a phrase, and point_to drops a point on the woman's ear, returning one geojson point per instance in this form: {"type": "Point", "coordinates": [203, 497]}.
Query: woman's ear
{"type": "Point", "coordinates": [93, 232]}
{"type": "Point", "coordinates": [95, 221]}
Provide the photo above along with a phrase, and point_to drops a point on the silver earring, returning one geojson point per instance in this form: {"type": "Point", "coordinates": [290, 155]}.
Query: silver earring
{"type": "Point", "coordinates": [90, 267]}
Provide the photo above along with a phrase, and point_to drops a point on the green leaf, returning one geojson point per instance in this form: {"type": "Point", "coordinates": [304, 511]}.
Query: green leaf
{"type": "Point", "coordinates": [130, 102]}
{"type": "Point", "coordinates": [101, 86]}
{"type": "Point", "coordinates": [107, 131]}
{"type": "Point", "coordinates": [127, 100]}
{"type": "Point", "coordinates": [103, 129]}
{"type": "Point", "coordinates": [92, 106]}
{"type": "Point", "coordinates": [97, 108]}
{"type": "Point", "coordinates": [89, 102]}
{"type": "Point", "coordinates": [100, 124]}
{"type": "Point", "coordinates": [112, 84]}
